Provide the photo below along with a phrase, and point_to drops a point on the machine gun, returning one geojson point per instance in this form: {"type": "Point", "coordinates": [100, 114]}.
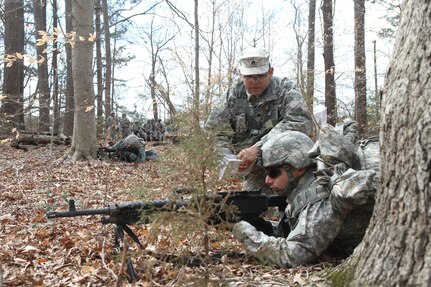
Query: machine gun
{"type": "Point", "coordinates": [223, 206]}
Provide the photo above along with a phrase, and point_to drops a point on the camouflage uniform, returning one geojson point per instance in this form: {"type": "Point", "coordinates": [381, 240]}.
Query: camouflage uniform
{"type": "Point", "coordinates": [322, 216]}
{"type": "Point", "coordinates": [124, 125]}
{"type": "Point", "coordinates": [131, 149]}
{"type": "Point", "coordinates": [111, 124]}
{"type": "Point", "coordinates": [160, 127]}
{"type": "Point", "coordinates": [136, 128]}
{"type": "Point", "coordinates": [241, 123]}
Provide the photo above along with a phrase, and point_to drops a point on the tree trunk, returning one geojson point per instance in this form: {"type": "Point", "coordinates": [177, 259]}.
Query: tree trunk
{"type": "Point", "coordinates": [55, 89]}
{"type": "Point", "coordinates": [297, 25]}
{"type": "Point", "coordinates": [84, 133]}
{"type": "Point", "coordinates": [39, 8]}
{"type": "Point", "coordinates": [13, 78]}
{"type": "Point", "coordinates": [152, 78]}
{"type": "Point", "coordinates": [211, 43]}
{"type": "Point", "coordinates": [99, 72]}
{"type": "Point", "coordinates": [309, 94]}
{"type": "Point", "coordinates": [328, 55]}
{"type": "Point", "coordinates": [108, 59]}
{"type": "Point", "coordinates": [165, 92]}
{"type": "Point", "coordinates": [196, 96]}
{"type": "Point", "coordinates": [396, 250]}
{"type": "Point", "coordinates": [70, 100]}
{"type": "Point", "coordinates": [360, 71]}
{"type": "Point", "coordinates": [41, 139]}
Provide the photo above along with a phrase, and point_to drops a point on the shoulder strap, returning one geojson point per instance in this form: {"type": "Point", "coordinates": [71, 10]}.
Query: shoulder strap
{"type": "Point", "coordinates": [311, 195]}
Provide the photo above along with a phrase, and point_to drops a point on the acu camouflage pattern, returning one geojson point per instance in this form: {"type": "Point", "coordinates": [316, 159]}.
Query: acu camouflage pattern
{"type": "Point", "coordinates": [325, 216]}
{"type": "Point", "coordinates": [313, 230]}
{"type": "Point", "coordinates": [335, 148]}
{"type": "Point", "coordinates": [132, 148]}
{"type": "Point", "coordinates": [289, 147]}
{"type": "Point", "coordinates": [124, 125]}
{"type": "Point", "coordinates": [240, 123]}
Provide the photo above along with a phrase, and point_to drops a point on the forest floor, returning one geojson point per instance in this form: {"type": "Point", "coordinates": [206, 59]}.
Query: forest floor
{"type": "Point", "coordinates": [80, 251]}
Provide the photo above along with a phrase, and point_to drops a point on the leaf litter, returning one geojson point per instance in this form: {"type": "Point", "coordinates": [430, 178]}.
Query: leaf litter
{"type": "Point", "coordinates": [80, 251]}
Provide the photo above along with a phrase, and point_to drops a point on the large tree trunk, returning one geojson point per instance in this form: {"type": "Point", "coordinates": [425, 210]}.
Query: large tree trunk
{"type": "Point", "coordinates": [328, 55]}
{"type": "Point", "coordinates": [84, 133]}
{"type": "Point", "coordinates": [396, 250]}
{"type": "Point", "coordinates": [360, 71]}
{"type": "Point", "coordinates": [309, 94]}
{"type": "Point", "coordinates": [13, 78]}
{"type": "Point", "coordinates": [39, 8]}
{"type": "Point", "coordinates": [70, 100]}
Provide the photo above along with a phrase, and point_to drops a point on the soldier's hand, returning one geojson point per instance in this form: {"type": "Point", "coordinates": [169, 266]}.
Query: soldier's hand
{"type": "Point", "coordinates": [248, 157]}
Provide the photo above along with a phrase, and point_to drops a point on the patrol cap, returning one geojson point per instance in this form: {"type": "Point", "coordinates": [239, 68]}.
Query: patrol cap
{"type": "Point", "coordinates": [254, 61]}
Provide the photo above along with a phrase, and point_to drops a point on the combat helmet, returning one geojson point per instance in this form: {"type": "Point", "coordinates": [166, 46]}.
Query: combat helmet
{"type": "Point", "coordinates": [287, 148]}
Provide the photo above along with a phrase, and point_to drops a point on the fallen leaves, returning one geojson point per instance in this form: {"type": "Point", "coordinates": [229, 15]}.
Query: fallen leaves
{"type": "Point", "coordinates": [80, 251]}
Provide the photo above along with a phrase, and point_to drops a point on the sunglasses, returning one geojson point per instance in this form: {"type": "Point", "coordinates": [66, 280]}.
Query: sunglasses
{"type": "Point", "coordinates": [273, 172]}
{"type": "Point", "coordinates": [260, 77]}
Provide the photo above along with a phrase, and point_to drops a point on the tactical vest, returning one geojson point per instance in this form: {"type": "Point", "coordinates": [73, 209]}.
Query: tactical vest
{"type": "Point", "coordinates": [368, 158]}
{"type": "Point", "coordinates": [252, 120]}
{"type": "Point", "coordinates": [312, 194]}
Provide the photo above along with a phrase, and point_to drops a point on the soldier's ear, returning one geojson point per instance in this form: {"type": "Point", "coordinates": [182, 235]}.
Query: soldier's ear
{"type": "Point", "coordinates": [301, 171]}
{"type": "Point", "coordinates": [271, 71]}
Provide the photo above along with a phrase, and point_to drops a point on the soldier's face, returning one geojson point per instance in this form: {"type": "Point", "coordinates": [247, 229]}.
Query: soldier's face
{"type": "Point", "coordinates": [276, 178]}
{"type": "Point", "coordinates": [257, 84]}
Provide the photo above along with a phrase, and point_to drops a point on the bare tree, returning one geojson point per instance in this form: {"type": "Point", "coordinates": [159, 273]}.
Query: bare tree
{"type": "Point", "coordinates": [164, 92]}
{"type": "Point", "coordinates": [84, 132]}
{"type": "Point", "coordinates": [328, 55]}
{"type": "Point", "coordinates": [39, 9]}
{"type": "Point", "coordinates": [156, 47]}
{"type": "Point", "coordinates": [211, 44]}
{"type": "Point", "coordinates": [300, 40]}
{"type": "Point", "coordinates": [99, 68]}
{"type": "Point", "coordinates": [55, 84]}
{"type": "Point", "coordinates": [309, 94]}
{"type": "Point", "coordinates": [396, 248]}
{"type": "Point", "coordinates": [108, 59]}
{"type": "Point", "coordinates": [13, 74]}
{"type": "Point", "coordinates": [196, 96]}
{"type": "Point", "coordinates": [360, 71]}
{"type": "Point", "coordinates": [70, 100]}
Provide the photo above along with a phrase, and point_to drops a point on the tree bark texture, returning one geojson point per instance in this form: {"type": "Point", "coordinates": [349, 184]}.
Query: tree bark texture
{"type": "Point", "coordinates": [99, 70]}
{"type": "Point", "coordinates": [55, 84]}
{"type": "Point", "coordinates": [84, 134]}
{"type": "Point", "coordinates": [396, 250]}
{"type": "Point", "coordinates": [360, 71]}
{"type": "Point", "coordinates": [70, 101]}
{"type": "Point", "coordinates": [328, 55]}
{"type": "Point", "coordinates": [39, 8]}
{"type": "Point", "coordinates": [28, 138]}
{"type": "Point", "coordinates": [108, 60]}
{"type": "Point", "coordinates": [13, 78]}
{"type": "Point", "coordinates": [309, 94]}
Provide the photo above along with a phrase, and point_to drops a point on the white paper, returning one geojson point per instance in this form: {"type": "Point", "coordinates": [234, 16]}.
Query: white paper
{"type": "Point", "coordinates": [229, 167]}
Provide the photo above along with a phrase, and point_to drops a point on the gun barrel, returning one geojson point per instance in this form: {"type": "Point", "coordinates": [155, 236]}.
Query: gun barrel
{"type": "Point", "coordinates": [57, 214]}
